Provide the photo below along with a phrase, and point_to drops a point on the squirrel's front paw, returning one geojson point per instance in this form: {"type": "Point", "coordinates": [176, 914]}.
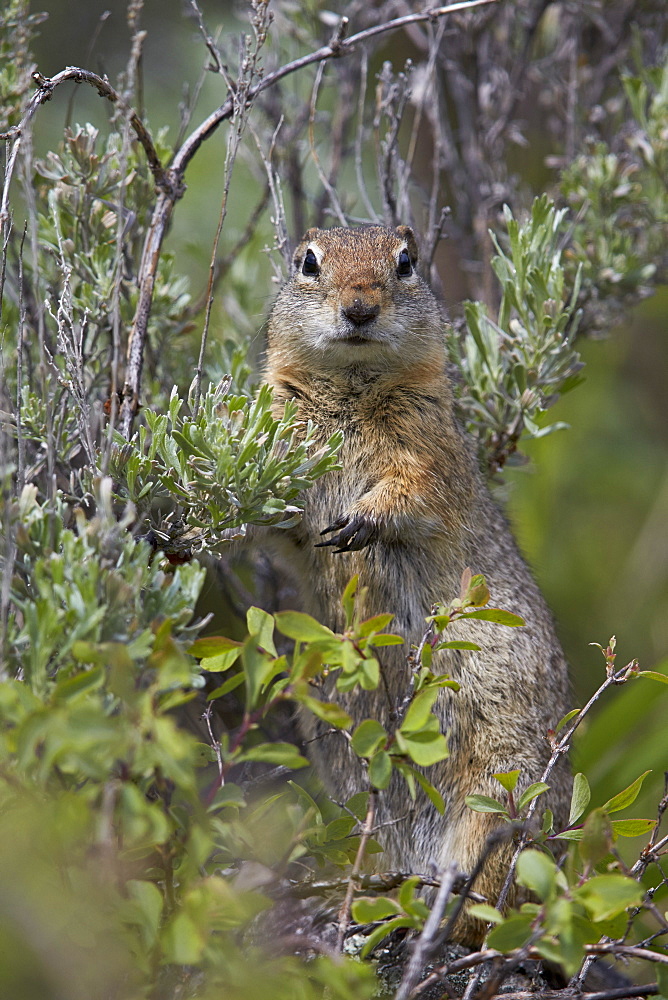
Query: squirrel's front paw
{"type": "Point", "coordinates": [353, 532]}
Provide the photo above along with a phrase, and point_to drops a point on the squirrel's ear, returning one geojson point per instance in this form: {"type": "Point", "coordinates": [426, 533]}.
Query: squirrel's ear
{"type": "Point", "coordinates": [301, 249]}
{"type": "Point", "coordinates": [406, 233]}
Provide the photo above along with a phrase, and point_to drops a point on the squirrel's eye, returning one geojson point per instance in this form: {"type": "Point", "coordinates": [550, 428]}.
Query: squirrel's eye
{"type": "Point", "coordinates": [404, 267]}
{"type": "Point", "coordinates": [310, 265]}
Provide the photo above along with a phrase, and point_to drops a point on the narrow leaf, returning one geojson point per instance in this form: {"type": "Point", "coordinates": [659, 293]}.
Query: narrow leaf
{"type": "Point", "coordinates": [632, 827]}
{"type": "Point", "coordinates": [485, 804]}
{"type": "Point", "coordinates": [580, 798]}
{"type": "Point", "coordinates": [496, 615]}
{"type": "Point", "coordinates": [627, 796]}
{"type": "Point", "coordinates": [456, 644]}
{"type": "Point", "coordinates": [567, 718]}
{"type": "Point", "coordinates": [530, 793]}
{"type": "Point", "coordinates": [654, 675]}
{"type": "Point", "coordinates": [297, 625]}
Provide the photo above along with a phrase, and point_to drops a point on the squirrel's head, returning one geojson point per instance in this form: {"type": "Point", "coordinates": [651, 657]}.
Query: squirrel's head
{"type": "Point", "coordinates": [354, 297]}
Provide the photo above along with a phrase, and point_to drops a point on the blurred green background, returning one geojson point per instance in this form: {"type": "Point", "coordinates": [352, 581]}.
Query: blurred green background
{"type": "Point", "coordinates": [591, 509]}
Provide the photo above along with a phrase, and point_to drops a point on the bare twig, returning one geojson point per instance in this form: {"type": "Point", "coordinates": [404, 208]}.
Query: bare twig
{"type": "Point", "coordinates": [20, 441]}
{"type": "Point", "coordinates": [353, 879]}
{"type": "Point", "coordinates": [130, 86]}
{"type": "Point", "coordinates": [424, 945]}
{"type": "Point", "coordinates": [276, 192]}
{"type": "Point", "coordinates": [376, 882]}
{"type": "Point", "coordinates": [215, 744]}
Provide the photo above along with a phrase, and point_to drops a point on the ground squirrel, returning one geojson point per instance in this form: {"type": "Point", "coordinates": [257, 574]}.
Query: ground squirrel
{"type": "Point", "coordinates": [356, 338]}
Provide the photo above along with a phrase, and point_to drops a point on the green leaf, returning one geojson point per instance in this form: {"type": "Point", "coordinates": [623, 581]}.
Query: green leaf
{"type": "Point", "coordinates": [407, 890]}
{"type": "Point", "coordinates": [204, 754]}
{"type": "Point", "coordinates": [632, 827]}
{"type": "Point", "coordinates": [626, 797]}
{"type": "Point", "coordinates": [580, 797]}
{"type": "Point", "coordinates": [456, 644]}
{"type": "Point", "coordinates": [149, 902]}
{"type": "Point", "coordinates": [258, 668]}
{"type": "Point", "coordinates": [538, 872]}
{"type": "Point", "coordinates": [485, 804]}
{"type": "Point", "coordinates": [221, 662]}
{"type": "Point", "coordinates": [302, 627]}
{"type": "Point", "coordinates": [430, 791]}
{"type": "Point", "coordinates": [368, 737]}
{"type": "Point", "coordinates": [230, 685]}
{"type": "Point", "coordinates": [261, 626]}
{"type": "Point", "coordinates": [72, 687]}
{"type": "Point", "coordinates": [183, 941]}
{"type": "Point", "coordinates": [423, 747]}
{"type": "Point", "coordinates": [212, 645]}
{"type": "Point", "coordinates": [368, 909]}
{"type": "Point", "coordinates": [380, 769]}
{"type": "Point", "coordinates": [229, 795]}
{"type": "Point", "coordinates": [381, 932]}
{"type": "Point", "coordinates": [567, 718]}
{"type": "Point", "coordinates": [654, 675]}
{"type": "Point", "coordinates": [508, 779]}
{"type": "Point", "coordinates": [530, 793]}
{"type": "Point", "coordinates": [570, 835]}
{"type": "Point", "coordinates": [496, 615]}
{"type": "Point", "coordinates": [604, 896]}
{"type": "Point", "coordinates": [348, 599]}
{"type": "Point", "coordinates": [386, 639]}
{"type": "Point", "coordinates": [596, 837]}
{"type": "Point", "coordinates": [376, 624]}
{"type": "Point", "coordinates": [419, 710]}
{"type": "Point", "coordinates": [275, 753]}
{"type": "Point", "coordinates": [328, 711]}
{"type": "Point", "coordinates": [483, 911]}
{"type": "Point", "coordinates": [511, 934]}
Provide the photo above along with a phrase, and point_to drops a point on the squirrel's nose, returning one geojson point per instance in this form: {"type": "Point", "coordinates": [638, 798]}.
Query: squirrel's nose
{"type": "Point", "coordinates": [360, 312]}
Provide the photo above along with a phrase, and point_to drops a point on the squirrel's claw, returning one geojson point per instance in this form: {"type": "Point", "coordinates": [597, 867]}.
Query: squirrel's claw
{"type": "Point", "coordinates": [355, 533]}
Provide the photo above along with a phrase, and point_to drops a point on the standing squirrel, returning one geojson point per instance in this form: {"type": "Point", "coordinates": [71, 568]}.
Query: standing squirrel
{"type": "Point", "coordinates": [356, 338]}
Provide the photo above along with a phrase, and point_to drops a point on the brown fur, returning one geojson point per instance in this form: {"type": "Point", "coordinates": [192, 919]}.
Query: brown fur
{"type": "Point", "coordinates": [361, 348]}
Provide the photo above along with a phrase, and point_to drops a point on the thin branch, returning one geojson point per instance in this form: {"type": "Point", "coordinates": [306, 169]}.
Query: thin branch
{"type": "Point", "coordinates": [131, 77]}
{"type": "Point", "coordinates": [353, 879]}
{"type": "Point", "coordinates": [426, 943]}
{"type": "Point", "coordinates": [20, 440]}
{"type": "Point", "coordinates": [275, 190]}
{"type": "Point", "coordinates": [215, 744]}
